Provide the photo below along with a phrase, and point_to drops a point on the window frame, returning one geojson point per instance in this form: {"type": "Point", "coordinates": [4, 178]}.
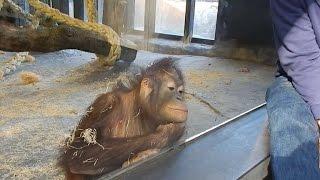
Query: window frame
{"type": "Point", "coordinates": [149, 24]}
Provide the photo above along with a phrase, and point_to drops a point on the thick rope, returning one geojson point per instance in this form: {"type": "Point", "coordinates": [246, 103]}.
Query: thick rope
{"type": "Point", "coordinates": [91, 10]}
{"type": "Point", "coordinates": [108, 33]}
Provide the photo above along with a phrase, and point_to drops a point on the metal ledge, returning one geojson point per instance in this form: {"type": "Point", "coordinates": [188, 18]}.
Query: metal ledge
{"type": "Point", "coordinates": [227, 151]}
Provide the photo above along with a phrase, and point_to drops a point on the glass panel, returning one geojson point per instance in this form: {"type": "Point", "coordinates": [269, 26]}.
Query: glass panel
{"type": "Point", "coordinates": [170, 16]}
{"type": "Point", "coordinates": [205, 18]}
{"type": "Point", "coordinates": [139, 9]}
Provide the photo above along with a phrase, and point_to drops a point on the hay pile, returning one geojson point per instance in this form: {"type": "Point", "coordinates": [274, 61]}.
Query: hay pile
{"type": "Point", "coordinates": [9, 65]}
{"type": "Point", "coordinates": [29, 78]}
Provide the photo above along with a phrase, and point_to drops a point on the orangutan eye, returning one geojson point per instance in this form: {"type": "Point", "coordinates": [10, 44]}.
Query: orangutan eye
{"type": "Point", "coordinates": [171, 88]}
{"type": "Point", "coordinates": [181, 89]}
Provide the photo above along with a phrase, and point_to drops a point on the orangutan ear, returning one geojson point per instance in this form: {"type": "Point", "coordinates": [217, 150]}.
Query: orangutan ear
{"type": "Point", "coordinates": [145, 88]}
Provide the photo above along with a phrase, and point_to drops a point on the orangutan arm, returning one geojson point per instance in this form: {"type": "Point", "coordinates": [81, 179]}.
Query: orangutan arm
{"type": "Point", "coordinates": [94, 160]}
{"type": "Point", "coordinates": [102, 105]}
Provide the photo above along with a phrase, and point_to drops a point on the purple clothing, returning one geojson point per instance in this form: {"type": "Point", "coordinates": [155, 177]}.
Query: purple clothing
{"type": "Point", "coordinates": [297, 38]}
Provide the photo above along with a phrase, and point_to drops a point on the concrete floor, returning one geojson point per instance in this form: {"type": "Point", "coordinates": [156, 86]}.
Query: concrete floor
{"type": "Point", "coordinates": [35, 119]}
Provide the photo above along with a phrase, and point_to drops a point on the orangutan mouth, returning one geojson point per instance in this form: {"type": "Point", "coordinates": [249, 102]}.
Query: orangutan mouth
{"type": "Point", "coordinates": [177, 109]}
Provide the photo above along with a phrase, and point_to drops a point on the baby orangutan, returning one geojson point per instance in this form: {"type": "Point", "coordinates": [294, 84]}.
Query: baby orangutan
{"type": "Point", "coordinates": [127, 125]}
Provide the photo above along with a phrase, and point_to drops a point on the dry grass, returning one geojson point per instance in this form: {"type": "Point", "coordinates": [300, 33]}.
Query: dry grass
{"type": "Point", "coordinates": [24, 172]}
{"type": "Point", "coordinates": [29, 78]}
{"type": "Point", "coordinates": [12, 131]}
{"type": "Point", "coordinates": [28, 156]}
{"type": "Point", "coordinates": [29, 59]}
{"type": "Point", "coordinates": [1, 74]}
{"type": "Point", "coordinates": [35, 108]}
{"type": "Point", "coordinates": [204, 79]}
{"type": "Point", "coordinates": [47, 102]}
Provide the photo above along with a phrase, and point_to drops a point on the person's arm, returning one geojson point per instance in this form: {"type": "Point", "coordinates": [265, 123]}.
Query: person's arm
{"type": "Point", "coordinates": [298, 49]}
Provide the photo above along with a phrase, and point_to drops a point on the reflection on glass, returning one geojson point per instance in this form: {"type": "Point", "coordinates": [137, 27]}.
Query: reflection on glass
{"type": "Point", "coordinates": [139, 9]}
{"type": "Point", "coordinates": [205, 18]}
{"type": "Point", "coordinates": [170, 16]}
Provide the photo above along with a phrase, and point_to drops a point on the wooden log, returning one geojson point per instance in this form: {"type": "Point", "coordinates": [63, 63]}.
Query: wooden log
{"type": "Point", "coordinates": [59, 37]}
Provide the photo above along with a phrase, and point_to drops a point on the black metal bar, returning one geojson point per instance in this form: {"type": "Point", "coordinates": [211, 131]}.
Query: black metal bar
{"type": "Point", "coordinates": [189, 21]}
{"type": "Point", "coordinates": [78, 9]}
{"type": "Point", "coordinates": [56, 4]}
{"type": "Point", "coordinates": [62, 5]}
{"type": "Point", "coordinates": [166, 36]}
{"type": "Point", "coordinates": [202, 41]}
{"type": "Point", "coordinates": [221, 30]}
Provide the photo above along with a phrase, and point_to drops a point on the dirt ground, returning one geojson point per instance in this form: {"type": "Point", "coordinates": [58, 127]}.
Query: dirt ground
{"type": "Point", "coordinates": [35, 119]}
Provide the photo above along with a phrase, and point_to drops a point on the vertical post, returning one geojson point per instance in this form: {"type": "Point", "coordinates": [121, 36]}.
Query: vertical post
{"type": "Point", "coordinates": [150, 18]}
{"type": "Point", "coordinates": [129, 19]}
{"type": "Point", "coordinates": [85, 16]}
{"type": "Point", "coordinates": [108, 13]}
{"type": "Point", "coordinates": [189, 21]}
{"type": "Point", "coordinates": [222, 29]}
{"type": "Point", "coordinates": [100, 10]}
{"type": "Point", "coordinates": [71, 8]}
{"type": "Point", "coordinates": [78, 9]}
{"type": "Point", "coordinates": [56, 4]}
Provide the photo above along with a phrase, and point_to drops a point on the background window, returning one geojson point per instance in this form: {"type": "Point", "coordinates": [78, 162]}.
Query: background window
{"type": "Point", "coordinates": [170, 17]}
{"type": "Point", "coordinates": [139, 10]}
{"type": "Point", "coordinates": [205, 18]}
